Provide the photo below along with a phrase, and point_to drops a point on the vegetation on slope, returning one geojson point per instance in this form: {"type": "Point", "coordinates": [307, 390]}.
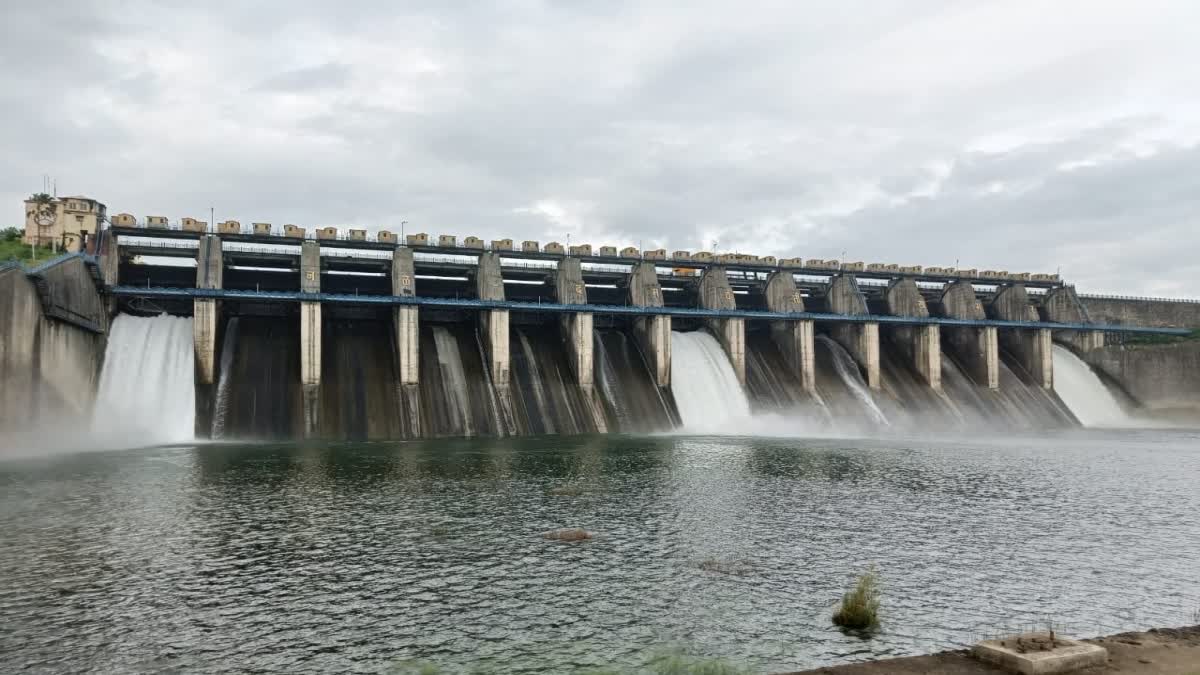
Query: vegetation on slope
{"type": "Point", "coordinates": [12, 248]}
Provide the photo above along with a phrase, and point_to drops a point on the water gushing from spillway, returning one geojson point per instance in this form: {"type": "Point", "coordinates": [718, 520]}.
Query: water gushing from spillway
{"type": "Point", "coordinates": [147, 391]}
{"type": "Point", "coordinates": [707, 392]}
{"type": "Point", "coordinates": [1085, 393]}
{"type": "Point", "coordinates": [850, 375]}
{"type": "Point", "coordinates": [224, 374]}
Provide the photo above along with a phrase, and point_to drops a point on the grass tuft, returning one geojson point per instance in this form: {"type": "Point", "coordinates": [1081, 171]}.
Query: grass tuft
{"type": "Point", "coordinates": [860, 606]}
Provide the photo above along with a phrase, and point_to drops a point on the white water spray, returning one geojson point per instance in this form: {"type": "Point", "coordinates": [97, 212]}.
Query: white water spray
{"type": "Point", "coordinates": [707, 392]}
{"type": "Point", "coordinates": [147, 388]}
{"type": "Point", "coordinates": [607, 380]}
{"type": "Point", "coordinates": [1085, 394]}
{"type": "Point", "coordinates": [848, 371]}
{"type": "Point", "coordinates": [221, 399]}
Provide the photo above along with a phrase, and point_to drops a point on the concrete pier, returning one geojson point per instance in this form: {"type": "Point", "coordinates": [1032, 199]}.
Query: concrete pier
{"type": "Point", "coordinates": [922, 344]}
{"type": "Point", "coordinates": [578, 336]}
{"type": "Point", "coordinates": [715, 293]}
{"type": "Point", "coordinates": [861, 339]}
{"type": "Point", "coordinates": [794, 338]}
{"type": "Point", "coordinates": [407, 337]}
{"type": "Point", "coordinates": [493, 323]}
{"type": "Point", "coordinates": [404, 318]}
{"type": "Point", "coordinates": [110, 259]}
{"type": "Point", "coordinates": [1062, 305]}
{"type": "Point", "coordinates": [569, 289]}
{"type": "Point", "coordinates": [1031, 346]}
{"type": "Point", "coordinates": [210, 275]}
{"type": "Point", "coordinates": [310, 336]}
{"type": "Point", "coordinates": [978, 348]}
{"type": "Point", "coordinates": [653, 334]}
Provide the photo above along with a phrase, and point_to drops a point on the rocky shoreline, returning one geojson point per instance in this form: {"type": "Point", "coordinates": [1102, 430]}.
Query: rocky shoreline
{"type": "Point", "coordinates": [1159, 651]}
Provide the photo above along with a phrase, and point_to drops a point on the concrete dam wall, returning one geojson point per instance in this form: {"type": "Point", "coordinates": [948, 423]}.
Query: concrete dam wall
{"type": "Point", "coordinates": [49, 362]}
{"type": "Point", "coordinates": [1143, 311]}
{"type": "Point", "coordinates": [1164, 378]}
{"type": "Point", "coordinates": [313, 341]}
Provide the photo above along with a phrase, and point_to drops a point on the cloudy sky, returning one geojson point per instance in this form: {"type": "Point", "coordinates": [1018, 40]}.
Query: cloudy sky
{"type": "Point", "coordinates": [1028, 136]}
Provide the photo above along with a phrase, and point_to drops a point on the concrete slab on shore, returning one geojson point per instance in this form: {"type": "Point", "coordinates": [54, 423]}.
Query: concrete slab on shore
{"type": "Point", "coordinates": [1160, 651]}
{"type": "Point", "coordinates": [1040, 654]}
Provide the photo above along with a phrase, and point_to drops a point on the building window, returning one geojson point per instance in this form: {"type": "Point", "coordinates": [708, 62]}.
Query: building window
{"type": "Point", "coordinates": [79, 218]}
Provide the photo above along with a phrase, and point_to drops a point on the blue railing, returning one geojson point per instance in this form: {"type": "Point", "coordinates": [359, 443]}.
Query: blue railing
{"type": "Point", "coordinates": [53, 262]}
{"type": "Point", "coordinates": [626, 310]}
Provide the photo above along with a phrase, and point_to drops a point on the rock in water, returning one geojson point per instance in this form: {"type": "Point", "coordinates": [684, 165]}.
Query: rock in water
{"type": "Point", "coordinates": [567, 534]}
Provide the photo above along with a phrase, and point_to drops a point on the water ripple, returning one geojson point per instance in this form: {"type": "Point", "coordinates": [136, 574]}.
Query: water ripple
{"type": "Point", "coordinates": [357, 558]}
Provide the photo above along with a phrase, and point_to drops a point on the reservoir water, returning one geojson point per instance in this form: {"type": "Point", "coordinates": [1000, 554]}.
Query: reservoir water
{"type": "Point", "coordinates": [365, 557]}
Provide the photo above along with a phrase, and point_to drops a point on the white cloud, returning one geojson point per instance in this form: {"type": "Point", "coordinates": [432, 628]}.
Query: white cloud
{"type": "Point", "coordinates": [1016, 134]}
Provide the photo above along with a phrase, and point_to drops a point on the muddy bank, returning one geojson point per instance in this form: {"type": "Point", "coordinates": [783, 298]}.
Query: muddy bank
{"type": "Point", "coordinates": [1160, 651]}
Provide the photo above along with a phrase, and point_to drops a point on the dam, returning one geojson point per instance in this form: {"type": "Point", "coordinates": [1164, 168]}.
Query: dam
{"type": "Point", "coordinates": [264, 332]}
{"type": "Point", "coordinates": [406, 422]}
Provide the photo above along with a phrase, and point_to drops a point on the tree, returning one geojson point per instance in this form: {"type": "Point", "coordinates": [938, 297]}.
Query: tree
{"type": "Point", "coordinates": [10, 234]}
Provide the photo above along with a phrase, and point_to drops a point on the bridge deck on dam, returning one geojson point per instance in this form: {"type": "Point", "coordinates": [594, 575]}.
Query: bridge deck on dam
{"type": "Point", "coordinates": [448, 273]}
{"type": "Point", "coordinates": [628, 310]}
{"type": "Point", "coordinates": [365, 245]}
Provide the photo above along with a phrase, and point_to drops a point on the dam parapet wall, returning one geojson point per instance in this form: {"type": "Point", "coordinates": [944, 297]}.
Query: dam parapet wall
{"type": "Point", "coordinates": [1156, 312]}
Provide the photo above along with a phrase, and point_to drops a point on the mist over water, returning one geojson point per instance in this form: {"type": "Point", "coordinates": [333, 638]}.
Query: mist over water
{"type": "Point", "coordinates": [146, 392]}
